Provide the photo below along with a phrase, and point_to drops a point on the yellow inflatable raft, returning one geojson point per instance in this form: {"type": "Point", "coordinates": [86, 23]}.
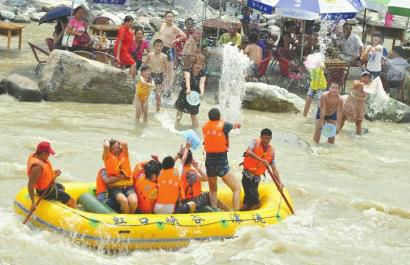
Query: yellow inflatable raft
{"type": "Point", "coordinates": [119, 232]}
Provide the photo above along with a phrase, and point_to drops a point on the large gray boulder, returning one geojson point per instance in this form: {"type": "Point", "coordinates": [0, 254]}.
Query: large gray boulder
{"type": "Point", "coordinates": [22, 88]}
{"type": "Point", "coordinates": [264, 97]}
{"type": "Point", "coordinates": [69, 77]}
{"type": "Point", "coordinates": [393, 110]}
{"type": "Point", "coordinates": [24, 18]}
{"type": "Point", "coordinates": [7, 15]}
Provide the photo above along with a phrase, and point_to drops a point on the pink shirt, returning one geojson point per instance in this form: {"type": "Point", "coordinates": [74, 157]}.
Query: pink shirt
{"type": "Point", "coordinates": [144, 46]}
{"type": "Point", "coordinates": [78, 26]}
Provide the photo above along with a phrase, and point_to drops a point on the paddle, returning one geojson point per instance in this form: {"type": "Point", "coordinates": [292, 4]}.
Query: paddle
{"type": "Point", "coordinates": [280, 190]}
{"type": "Point", "coordinates": [37, 203]}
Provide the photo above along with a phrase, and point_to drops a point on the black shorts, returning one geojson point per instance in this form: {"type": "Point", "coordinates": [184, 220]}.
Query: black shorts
{"type": "Point", "coordinates": [217, 164]}
{"type": "Point", "coordinates": [202, 200]}
{"type": "Point", "coordinates": [55, 193]}
{"type": "Point", "coordinates": [170, 52]}
{"type": "Point", "coordinates": [250, 185]}
{"type": "Point", "coordinates": [158, 78]}
{"type": "Point", "coordinates": [139, 63]}
{"type": "Point", "coordinates": [114, 191]}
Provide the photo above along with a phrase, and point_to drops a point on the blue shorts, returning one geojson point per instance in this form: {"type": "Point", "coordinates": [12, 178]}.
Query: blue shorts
{"type": "Point", "coordinates": [126, 190]}
{"type": "Point", "coordinates": [170, 53]}
{"type": "Point", "coordinates": [111, 202]}
{"type": "Point", "coordinates": [312, 93]}
{"type": "Point", "coordinates": [327, 117]}
{"type": "Point", "coordinates": [217, 164]}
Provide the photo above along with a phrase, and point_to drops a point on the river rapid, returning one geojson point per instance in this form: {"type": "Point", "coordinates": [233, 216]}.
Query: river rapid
{"type": "Point", "coordinates": [352, 200]}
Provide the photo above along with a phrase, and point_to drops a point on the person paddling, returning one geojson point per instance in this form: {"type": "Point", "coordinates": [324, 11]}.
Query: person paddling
{"type": "Point", "coordinates": [259, 156]}
{"type": "Point", "coordinates": [42, 178]}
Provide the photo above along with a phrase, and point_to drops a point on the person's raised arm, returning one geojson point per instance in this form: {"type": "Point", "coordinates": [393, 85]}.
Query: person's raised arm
{"type": "Point", "coordinates": [106, 149]}
{"type": "Point", "coordinates": [202, 175]}
{"type": "Point", "coordinates": [365, 53]}
{"type": "Point", "coordinates": [178, 31]}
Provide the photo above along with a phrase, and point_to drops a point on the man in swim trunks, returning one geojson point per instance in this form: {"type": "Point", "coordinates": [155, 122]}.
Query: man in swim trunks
{"type": "Point", "coordinates": [329, 111]}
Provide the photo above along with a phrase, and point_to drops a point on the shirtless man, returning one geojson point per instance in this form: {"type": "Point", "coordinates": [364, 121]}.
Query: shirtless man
{"type": "Point", "coordinates": [157, 61]}
{"type": "Point", "coordinates": [167, 34]}
{"type": "Point", "coordinates": [254, 53]}
{"type": "Point", "coordinates": [330, 111]}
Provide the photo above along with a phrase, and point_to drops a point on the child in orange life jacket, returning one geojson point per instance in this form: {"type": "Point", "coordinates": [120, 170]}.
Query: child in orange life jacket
{"type": "Point", "coordinates": [216, 142]}
{"type": "Point", "coordinates": [146, 186]}
{"type": "Point", "coordinates": [117, 165]}
{"type": "Point", "coordinates": [259, 156]}
{"type": "Point", "coordinates": [143, 89]}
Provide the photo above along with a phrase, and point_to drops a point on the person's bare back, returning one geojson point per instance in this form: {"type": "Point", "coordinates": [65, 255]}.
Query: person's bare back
{"type": "Point", "coordinates": [254, 53]}
{"type": "Point", "coordinates": [157, 62]}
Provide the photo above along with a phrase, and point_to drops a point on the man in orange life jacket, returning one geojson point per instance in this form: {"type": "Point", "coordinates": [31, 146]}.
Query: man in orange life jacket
{"type": "Point", "coordinates": [145, 181]}
{"type": "Point", "coordinates": [42, 177]}
{"type": "Point", "coordinates": [216, 142]}
{"type": "Point", "coordinates": [259, 156]}
{"type": "Point", "coordinates": [117, 165]}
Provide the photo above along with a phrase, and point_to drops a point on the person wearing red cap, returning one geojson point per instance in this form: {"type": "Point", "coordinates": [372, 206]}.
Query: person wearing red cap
{"type": "Point", "coordinates": [42, 177]}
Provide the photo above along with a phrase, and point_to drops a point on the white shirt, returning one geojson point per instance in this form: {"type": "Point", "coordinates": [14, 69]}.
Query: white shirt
{"type": "Point", "coordinates": [352, 45]}
{"type": "Point", "coordinates": [374, 62]}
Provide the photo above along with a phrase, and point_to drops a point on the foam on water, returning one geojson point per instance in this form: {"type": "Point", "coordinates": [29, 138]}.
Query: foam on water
{"type": "Point", "coordinates": [232, 83]}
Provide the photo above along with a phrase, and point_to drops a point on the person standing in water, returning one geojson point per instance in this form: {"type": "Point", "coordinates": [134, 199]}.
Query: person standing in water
{"type": "Point", "coordinates": [41, 177]}
{"type": "Point", "coordinates": [194, 80]}
{"type": "Point", "coordinates": [354, 109]}
{"type": "Point", "coordinates": [216, 143]}
{"type": "Point", "coordinates": [167, 34]}
{"type": "Point", "coordinates": [329, 111]}
{"type": "Point", "coordinates": [143, 89]}
{"type": "Point", "coordinates": [259, 156]}
{"type": "Point", "coordinates": [123, 43]}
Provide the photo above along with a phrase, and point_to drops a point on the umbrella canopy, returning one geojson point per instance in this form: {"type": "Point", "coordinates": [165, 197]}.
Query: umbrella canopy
{"type": "Point", "coordinates": [313, 9]}
{"type": "Point", "coordinates": [399, 7]}
{"type": "Point", "coordinates": [56, 13]}
{"type": "Point", "coordinates": [375, 5]}
{"type": "Point", "coordinates": [265, 6]}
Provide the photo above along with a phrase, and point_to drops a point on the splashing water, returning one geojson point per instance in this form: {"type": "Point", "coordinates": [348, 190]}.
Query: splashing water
{"type": "Point", "coordinates": [232, 83]}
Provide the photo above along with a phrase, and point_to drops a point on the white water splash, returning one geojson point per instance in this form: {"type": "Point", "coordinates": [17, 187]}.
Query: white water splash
{"type": "Point", "coordinates": [232, 83]}
{"type": "Point", "coordinates": [167, 122]}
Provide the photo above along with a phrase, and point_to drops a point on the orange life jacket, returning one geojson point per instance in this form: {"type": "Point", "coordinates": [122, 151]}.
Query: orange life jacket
{"type": "Point", "coordinates": [169, 187]}
{"type": "Point", "coordinates": [147, 193]}
{"type": "Point", "coordinates": [114, 165]}
{"type": "Point", "coordinates": [47, 172]}
{"type": "Point", "coordinates": [191, 190]}
{"type": "Point", "coordinates": [253, 165]}
{"type": "Point", "coordinates": [215, 140]}
{"type": "Point", "coordinates": [100, 186]}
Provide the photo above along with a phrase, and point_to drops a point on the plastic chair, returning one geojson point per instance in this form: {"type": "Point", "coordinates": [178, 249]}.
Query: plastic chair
{"type": "Point", "coordinates": [263, 66]}
{"type": "Point", "coordinates": [50, 44]}
{"type": "Point", "coordinates": [36, 49]}
{"type": "Point", "coordinates": [289, 69]}
{"type": "Point", "coordinates": [337, 75]}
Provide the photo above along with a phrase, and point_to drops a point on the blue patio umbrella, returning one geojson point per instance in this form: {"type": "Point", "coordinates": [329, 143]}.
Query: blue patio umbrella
{"type": "Point", "coordinates": [314, 9]}
{"type": "Point", "coordinates": [56, 13]}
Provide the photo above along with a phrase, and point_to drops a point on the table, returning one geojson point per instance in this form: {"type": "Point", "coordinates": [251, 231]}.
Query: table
{"type": "Point", "coordinates": [111, 31]}
{"type": "Point", "coordinates": [11, 29]}
{"type": "Point", "coordinates": [394, 33]}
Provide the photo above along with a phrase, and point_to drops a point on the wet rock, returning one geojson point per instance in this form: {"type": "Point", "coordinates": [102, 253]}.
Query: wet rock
{"type": "Point", "coordinates": [22, 88]}
{"type": "Point", "coordinates": [3, 89]}
{"type": "Point", "coordinates": [7, 15]}
{"type": "Point", "coordinates": [155, 22]}
{"type": "Point", "coordinates": [37, 16]}
{"type": "Point", "coordinates": [22, 19]}
{"type": "Point", "coordinates": [69, 77]}
{"type": "Point", "coordinates": [393, 110]}
{"type": "Point", "coordinates": [264, 97]}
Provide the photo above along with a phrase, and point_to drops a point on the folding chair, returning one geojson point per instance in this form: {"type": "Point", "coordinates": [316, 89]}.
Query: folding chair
{"type": "Point", "coordinates": [263, 66]}
{"type": "Point", "coordinates": [289, 69]}
{"type": "Point", "coordinates": [36, 49]}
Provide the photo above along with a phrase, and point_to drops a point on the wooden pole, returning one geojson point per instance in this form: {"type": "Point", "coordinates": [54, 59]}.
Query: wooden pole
{"type": "Point", "coordinates": [280, 190]}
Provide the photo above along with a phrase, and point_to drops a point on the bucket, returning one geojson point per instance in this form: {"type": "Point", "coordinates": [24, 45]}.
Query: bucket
{"type": "Point", "coordinates": [192, 137]}
{"type": "Point", "coordinates": [329, 130]}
